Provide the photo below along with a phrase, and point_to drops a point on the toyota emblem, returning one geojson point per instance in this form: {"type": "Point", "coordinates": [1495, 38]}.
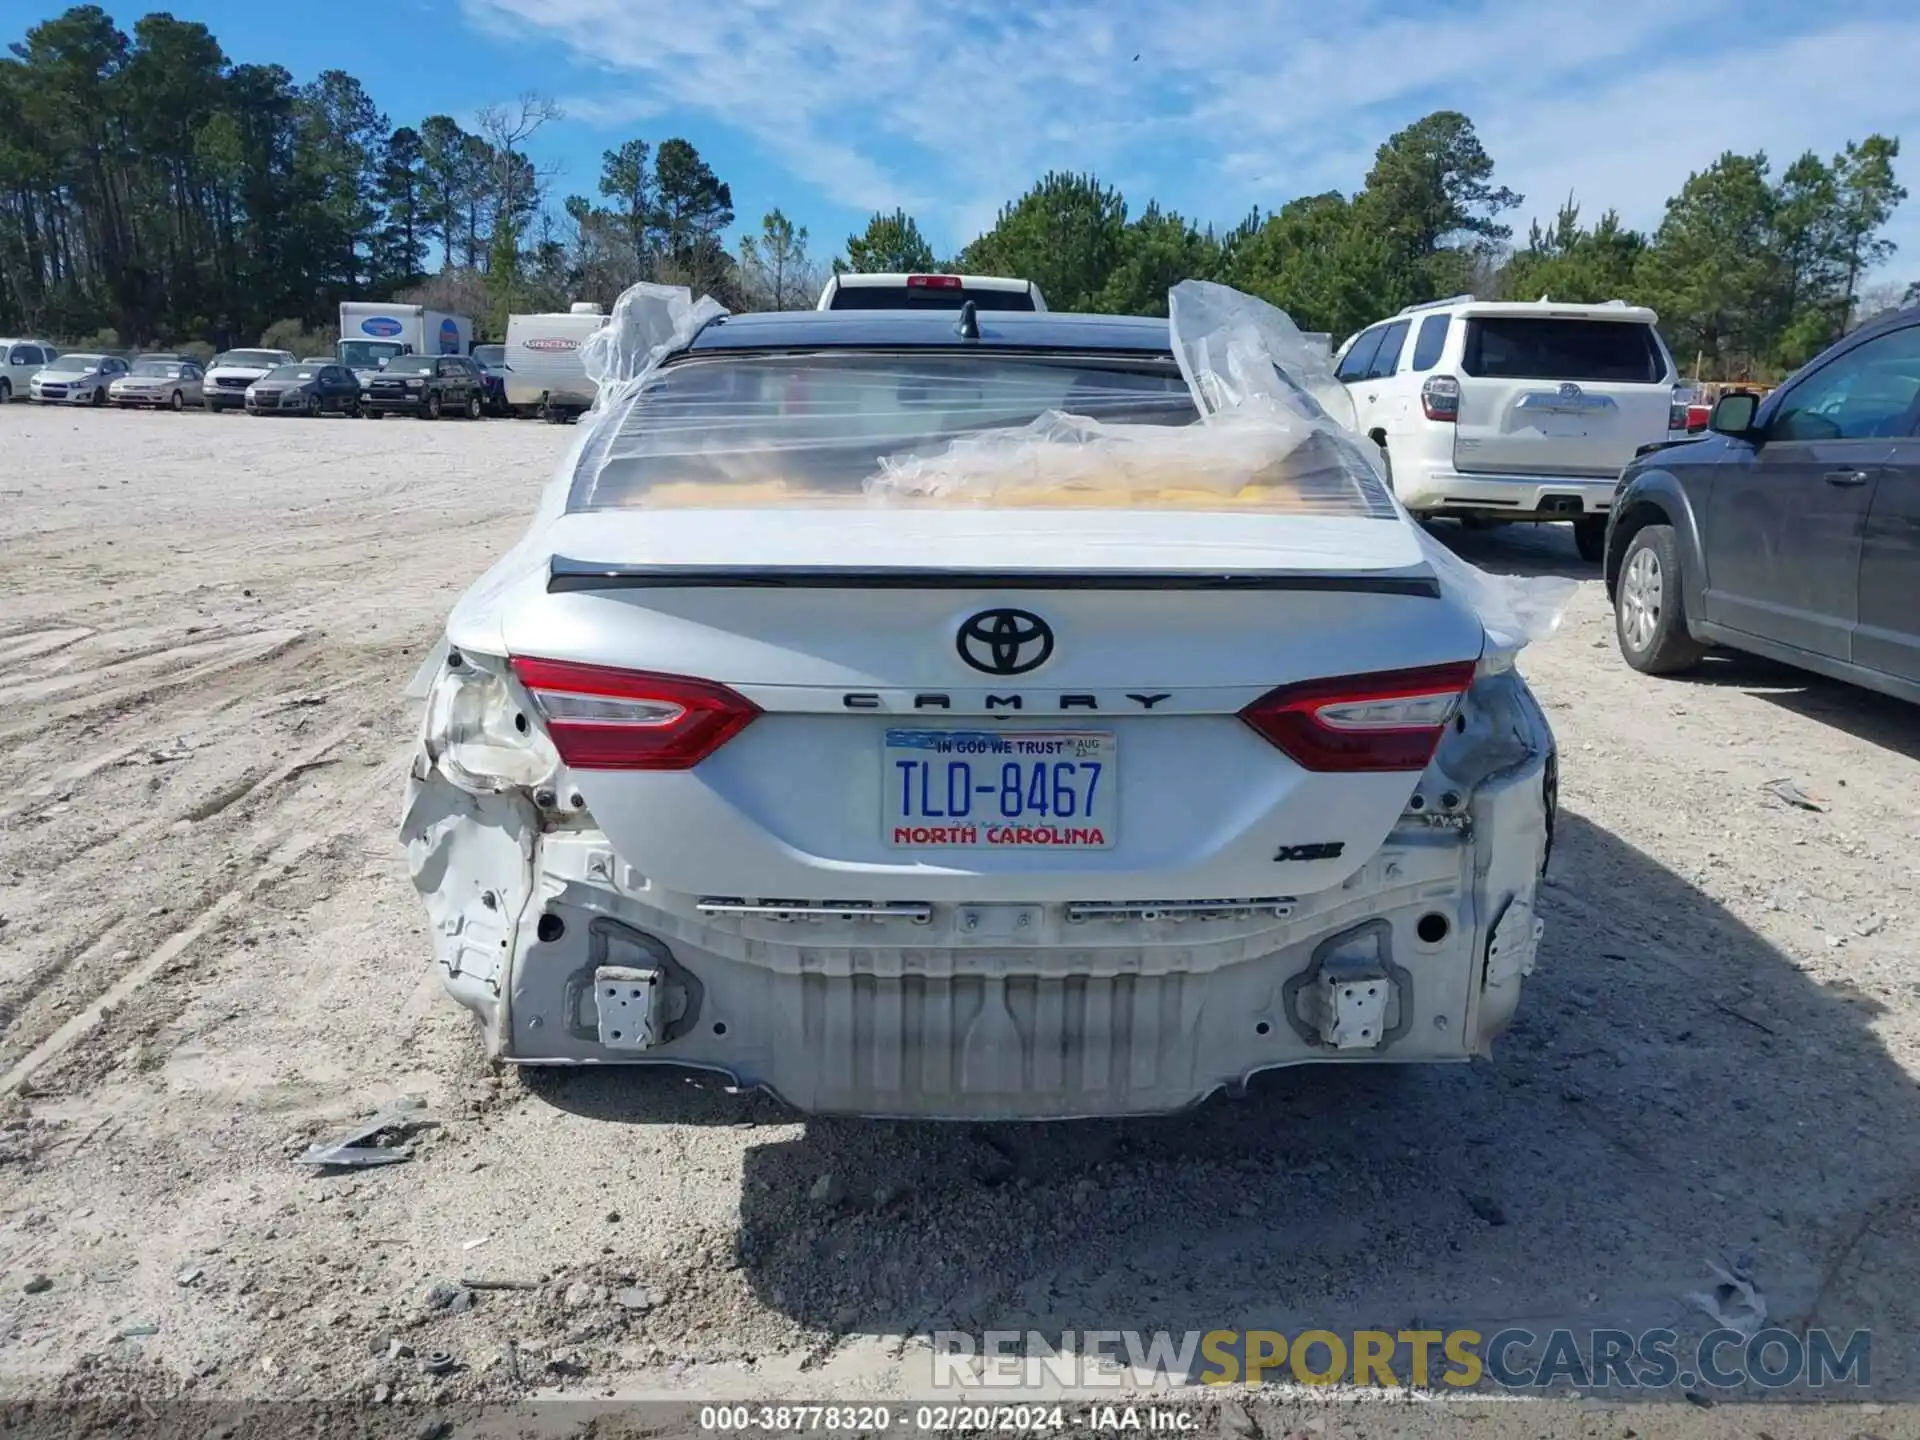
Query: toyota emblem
{"type": "Point", "coordinates": [1569, 390]}
{"type": "Point", "coordinates": [1005, 642]}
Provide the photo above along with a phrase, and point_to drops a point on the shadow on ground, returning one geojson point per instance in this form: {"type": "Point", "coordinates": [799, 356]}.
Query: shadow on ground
{"type": "Point", "coordinates": [1530, 549]}
{"type": "Point", "coordinates": [1675, 1091]}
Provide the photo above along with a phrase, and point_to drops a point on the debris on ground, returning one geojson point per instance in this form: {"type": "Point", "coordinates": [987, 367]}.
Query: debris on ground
{"type": "Point", "coordinates": [444, 1295]}
{"type": "Point", "coordinates": [1791, 792]}
{"type": "Point", "coordinates": [827, 1190]}
{"type": "Point", "coordinates": [1733, 1303]}
{"type": "Point", "coordinates": [188, 1276]}
{"type": "Point", "coordinates": [38, 1285]}
{"type": "Point", "coordinates": [378, 1142]}
{"type": "Point", "coordinates": [1487, 1209]}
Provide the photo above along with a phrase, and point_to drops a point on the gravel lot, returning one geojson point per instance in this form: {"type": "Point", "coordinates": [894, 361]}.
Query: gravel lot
{"type": "Point", "coordinates": [210, 954]}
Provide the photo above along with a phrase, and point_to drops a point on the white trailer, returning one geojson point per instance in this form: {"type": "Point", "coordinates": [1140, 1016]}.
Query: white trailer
{"type": "Point", "coordinates": [372, 334]}
{"type": "Point", "coordinates": [544, 370]}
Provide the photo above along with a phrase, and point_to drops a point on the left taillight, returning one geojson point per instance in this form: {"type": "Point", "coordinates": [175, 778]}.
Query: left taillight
{"type": "Point", "coordinates": [1389, 720]}
{"type": "Point", "coordinates": [603, 718]}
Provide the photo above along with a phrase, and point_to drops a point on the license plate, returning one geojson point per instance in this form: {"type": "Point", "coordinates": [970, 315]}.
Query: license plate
{"type": "Point", "coordinates": [1000, 790]}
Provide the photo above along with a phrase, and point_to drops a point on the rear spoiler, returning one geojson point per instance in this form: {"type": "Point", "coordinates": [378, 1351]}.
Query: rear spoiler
{"type": "Point", "coordinates": [565, 576]}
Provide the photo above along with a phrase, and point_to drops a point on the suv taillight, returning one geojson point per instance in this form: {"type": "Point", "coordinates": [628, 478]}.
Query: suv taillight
{"type": "Point", "coordinates": [1677, 408]}
{"type": "Point", "coordinates": [1440, 398]}
{"type": "Point", "coordinates": [602, 718]}
{"type": "Point", "coordinates": [1389, 720]}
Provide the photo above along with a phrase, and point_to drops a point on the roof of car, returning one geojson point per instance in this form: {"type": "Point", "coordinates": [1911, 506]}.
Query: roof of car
{"type": "Point", "coordinates": [914, 329]}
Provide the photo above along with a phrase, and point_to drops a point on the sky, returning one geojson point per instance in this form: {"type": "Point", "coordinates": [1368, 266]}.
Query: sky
{"type": "Point", "coordinates": [833, 109]}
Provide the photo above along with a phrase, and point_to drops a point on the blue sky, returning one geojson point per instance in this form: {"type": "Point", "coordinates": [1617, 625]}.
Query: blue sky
{"type": "Point", "coordinates": [831, 109]}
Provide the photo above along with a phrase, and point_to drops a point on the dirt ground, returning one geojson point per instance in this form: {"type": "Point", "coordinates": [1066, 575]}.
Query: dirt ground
{"type": "Point", "coordinates": [210, 954]}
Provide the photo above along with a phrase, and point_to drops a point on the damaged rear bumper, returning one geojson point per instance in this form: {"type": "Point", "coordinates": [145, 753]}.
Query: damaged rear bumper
{"type": "Point", "coordinates": [567, 955]}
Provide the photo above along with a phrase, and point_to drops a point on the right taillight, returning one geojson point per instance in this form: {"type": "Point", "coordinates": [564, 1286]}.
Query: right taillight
{"type": "Point", "coordinates": [1440, 398]}
{"type": "Point", "coordinates": [1388, 720]}
{"type": "Point", "coordinates": [603, 718]}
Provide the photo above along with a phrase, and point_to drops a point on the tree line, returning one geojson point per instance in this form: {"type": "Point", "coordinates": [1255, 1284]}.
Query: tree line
{"type": "Point", "coordinates": [151, 190]}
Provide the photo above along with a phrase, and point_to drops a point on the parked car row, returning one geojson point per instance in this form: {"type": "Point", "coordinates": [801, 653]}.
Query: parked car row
{"type": "Point", "coordinates": [259, 381]}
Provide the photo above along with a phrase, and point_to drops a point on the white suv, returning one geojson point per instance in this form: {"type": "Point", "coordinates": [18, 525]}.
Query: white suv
{"type": "Point", "coordinates": [1501, 410]}
{"type": "Point", "coordinates": [20, 361]}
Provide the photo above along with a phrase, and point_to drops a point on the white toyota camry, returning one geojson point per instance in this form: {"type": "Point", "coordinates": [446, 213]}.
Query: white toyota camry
{"type": "Point", "coordinates": [1002, 715]}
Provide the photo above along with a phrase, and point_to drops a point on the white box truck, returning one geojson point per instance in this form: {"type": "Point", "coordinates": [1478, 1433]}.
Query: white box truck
{"type": "Point", "coordinates": [372, 334]}
{"type": "Point", "coordinates": [544, 371]}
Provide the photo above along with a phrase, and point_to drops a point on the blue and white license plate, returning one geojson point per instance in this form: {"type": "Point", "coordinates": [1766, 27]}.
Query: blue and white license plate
{"type": "Point", "coordinates": [1000, 790]}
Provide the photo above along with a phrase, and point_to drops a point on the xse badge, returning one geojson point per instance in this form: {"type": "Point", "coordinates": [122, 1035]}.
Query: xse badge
{"type": "Point", "coordinates": [1320, 850]}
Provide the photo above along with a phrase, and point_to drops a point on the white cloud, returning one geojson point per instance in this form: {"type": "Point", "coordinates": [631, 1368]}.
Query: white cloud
{"type": "Point", "coordinates": [951, 107]}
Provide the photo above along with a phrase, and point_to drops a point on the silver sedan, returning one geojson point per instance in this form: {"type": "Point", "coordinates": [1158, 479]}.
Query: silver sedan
{"type": "Point", "coordinates": [174, 384]}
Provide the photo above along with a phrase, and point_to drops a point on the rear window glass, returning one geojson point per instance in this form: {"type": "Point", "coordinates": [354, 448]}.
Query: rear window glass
{"type": "Point", "coordinates": [859, 428]}
{"type": "Point", "coordinates": [1431, 342]}
{"type": "Point", "coordinates": [926, 297]}
{"type": "Point", "coordinates": [1514, 347]}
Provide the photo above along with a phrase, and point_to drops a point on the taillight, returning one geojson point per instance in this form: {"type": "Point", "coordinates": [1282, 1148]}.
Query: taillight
{"type": "Point", "coordinates": [1677, 409]}
{"type": "Point", "coordinates": [933, 282]}
{"type": "Point", "coordinates": [1390, 720]}
{"type": "Point", "coordinates": [602, 718]}
{"type": "Point", "coordinates": [1440, 398]}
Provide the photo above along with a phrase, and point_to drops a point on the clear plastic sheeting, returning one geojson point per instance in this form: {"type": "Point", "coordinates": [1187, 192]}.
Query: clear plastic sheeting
{"type": "Point", "coordinates": [1242, 357]}
{"type": "Point", "coordinates": [1515, 609]}
{"type": "Point", "coordinates": [648, 321]}
{"type": "Point", "coordinates": [1064, 460]}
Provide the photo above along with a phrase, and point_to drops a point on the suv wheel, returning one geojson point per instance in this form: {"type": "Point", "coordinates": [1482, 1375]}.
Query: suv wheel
{"type": "Point", "coordinates": [473, 407]}
{"type": "Point", "coordinates": [1590, 538]}
{"type": "Point", "coordinates": [433, 405]}
{"type": "Point", "coordinates": [177, 401]}
{"type": "Point", "coordinates": [1649, 616]}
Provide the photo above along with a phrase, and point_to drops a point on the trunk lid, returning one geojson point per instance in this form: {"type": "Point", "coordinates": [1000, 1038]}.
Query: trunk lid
{"type": "Point", "coordinates": [844, 786]}
{"type": "Point", "coordinates": [1572, 394]}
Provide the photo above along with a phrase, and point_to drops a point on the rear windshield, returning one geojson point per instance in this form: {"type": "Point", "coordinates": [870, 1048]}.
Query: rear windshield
{"type": "Point", "coordinates": [1069, 431]}
{"type": "Point", "coordinates": [926, 297]}
{"type": "Point", "coordinates": [818, 425]}
{"type": "Point", "coordinates": [1520, 347]}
